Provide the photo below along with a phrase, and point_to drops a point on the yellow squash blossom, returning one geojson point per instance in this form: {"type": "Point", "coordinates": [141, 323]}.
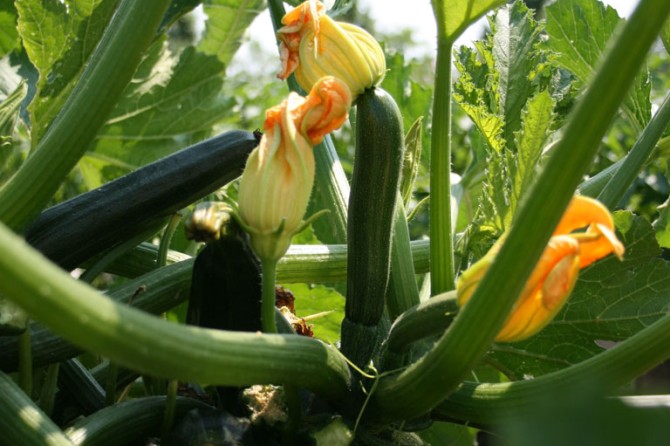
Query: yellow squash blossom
{"type": "Point", "coordinates": [278, 177]}
{"type": "Point", "coordinates": [553, 278]}
{"type": "Point", "coordinates": [313, 45]}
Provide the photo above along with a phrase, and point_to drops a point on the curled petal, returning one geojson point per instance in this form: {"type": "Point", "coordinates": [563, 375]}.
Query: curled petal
{"type": "Point", "coordinates": [546, 291]}
{"type": "Point", "coordinates": [327, 107]}
{"type": "Point", "coordinates": [599, 240]}
{"type": "Point", "coordinates": [312, 45]}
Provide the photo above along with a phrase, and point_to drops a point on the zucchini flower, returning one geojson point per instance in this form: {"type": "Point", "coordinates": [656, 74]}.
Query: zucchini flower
{"type": "Point", "coordinates": [278, 177]}
{"type": "Point", "coordinates": [554, 277]}
{"type": "Point", "coordinates": [313, 45]}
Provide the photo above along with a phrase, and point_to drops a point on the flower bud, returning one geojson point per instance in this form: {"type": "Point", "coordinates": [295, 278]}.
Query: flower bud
{"type": "Point", "coordinates": [313, 45]}
{"type": "Point", "coordinates": [555, 274]}
{"type": "Point", "coordinates": [278, 177]}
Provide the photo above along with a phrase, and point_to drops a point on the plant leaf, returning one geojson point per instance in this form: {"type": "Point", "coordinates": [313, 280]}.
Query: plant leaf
{"type": "Point", "coordinates": [9, 36]}
{"type": "Point", "coordinates": [311, 300]}
{"type": "Point", "coordinates": [227, 20]}
{"type": "Point", "coordinates": [665, 36]}
{"type": "Point", "coordinates": [514, 37]}
{"type": "Point", "coordinates": [537, 120]}
{"type": "Point", "coordinates": [579, 31]}
{"type": "Point", "coordinates": [454, 16]}
{"type": "Point", "coordinates": [174, 102]}
{"type": "Point", "coordinates": [612, 301]}
{"type": "Point", "coordinates": [59, 37]}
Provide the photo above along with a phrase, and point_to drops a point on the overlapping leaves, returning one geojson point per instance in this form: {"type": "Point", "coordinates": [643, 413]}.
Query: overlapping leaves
{"type": "Point", "coordinates": [510, 90]}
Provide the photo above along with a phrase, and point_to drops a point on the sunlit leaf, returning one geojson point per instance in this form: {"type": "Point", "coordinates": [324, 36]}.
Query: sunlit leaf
{"type": "Point", "coordinates": [312, 300]}
{"type": "Point", "coordinates": [530, 140]}
{"type": "Point", "coordinates": [173, 102]}
{"type": "Point", "coordinates": [454, 16]}
{"type": "Point", "coordinates": [612, 301]}
{"type": "Point", "coordinates": [59, 36]}
{"type": "Point", "coordinates": [9, 36]}
{"type": "Point", "coordinates": [579, 31]}
{"type": "Point", "coordinates": [227, 20]}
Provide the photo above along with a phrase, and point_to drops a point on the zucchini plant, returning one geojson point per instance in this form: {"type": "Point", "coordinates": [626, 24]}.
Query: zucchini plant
{"type": "Point", "coordinates": [454, 286]}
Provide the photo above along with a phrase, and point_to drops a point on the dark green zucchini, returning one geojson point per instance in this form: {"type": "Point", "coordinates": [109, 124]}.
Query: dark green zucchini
{"type": "Point", "coordinates": [372, 201]}
{"type": "Point", "coordinates": [78, 229]}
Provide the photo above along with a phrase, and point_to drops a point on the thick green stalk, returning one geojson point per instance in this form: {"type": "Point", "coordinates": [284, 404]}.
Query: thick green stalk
{"type": "Point", "coordinates": [431, 379]}
{"type": "Point", "coordinates": [613, 368]}
{"type": "Point", "coordinates": [302, 263]}
{"type": "Point", "coordinates": [108, 71]}
{"type": "Point", "coordinates": [622, 179]}
{"type": "Point", "coordinates": [429, 318]}
{"type": "Point", "coordinates": [130, 422]}
{"type": "Point", "coordinates": [441, 246]}
{"type": "Point", "coordinates": [22, 422]}
{"type": "Point", "coordinates": [156, 347]}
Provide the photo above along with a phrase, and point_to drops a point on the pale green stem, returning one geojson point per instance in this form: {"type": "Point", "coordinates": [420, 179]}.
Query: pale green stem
{"type": "Point", "coordinates": [268, 298]}
{"type": "Point", "coordinates": [441, 243]}
{"type": "Point", "coordinates": [635, 159]}
{"type": "Point", "coordinates": [170, 409]}
{"type": "Point", "coordinates": [153, 346]}
{"type": "Point", "coordinates": [492, 403]}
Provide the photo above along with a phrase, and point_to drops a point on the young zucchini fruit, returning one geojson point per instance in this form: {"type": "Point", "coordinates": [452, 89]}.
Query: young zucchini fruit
{"type": "Point", "coordinates": [75, 230]}
{"type": "Point", "coordinates": [372, 202]}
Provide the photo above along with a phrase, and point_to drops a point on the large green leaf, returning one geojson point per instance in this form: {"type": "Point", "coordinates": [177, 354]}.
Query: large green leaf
{"type": "Point", "coordinates": [59, 36]}
{"type": "Point", "coordinates": [227, 20]}
{"type": "Point", "coordinates": [175, 101]}
{"type": "Point", "coordinates": [9, 36]}
{"type": "Point", "coordinates": [454, 16]}
{"type": "Point", "coordinates": [612, 301]}
{"type": "Point", "coordinates": [579, 31]}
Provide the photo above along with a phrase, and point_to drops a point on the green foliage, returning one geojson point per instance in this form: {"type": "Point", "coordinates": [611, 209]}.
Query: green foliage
{"type": "Point", "coordinates": [59, 37]}
{"type": "Point", "coordinates": [9, 36]}
{"type": "Point", "coordinates": [324, 302]}
{"type": "Point", "coordinates": [578, 34]}
{"type": "Point", "coordinates": [510, 89]}
{"type": "Point", "coordinates": [453, 17]}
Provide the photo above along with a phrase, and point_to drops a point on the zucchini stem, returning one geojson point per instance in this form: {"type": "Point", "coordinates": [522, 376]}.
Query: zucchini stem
{"type": "Point", "coordinates": [268, 296]}
{"type": "Point", "coordinates": [26, 361]}
{"type": "Point", "coordinates": [441, 243]}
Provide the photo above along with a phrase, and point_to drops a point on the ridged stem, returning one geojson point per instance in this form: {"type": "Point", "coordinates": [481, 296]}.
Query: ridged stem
{"type": "Point", "coordinates": [156, 347]}
{"type": "Point", "coordinates": [22, 422]}
{"type": "Point", "coordinates": [268, 296]}
{"type": "Point", "coordinates": [493, 403]}
{"type": "Point", "coordinates": [441, 246]}
{"type": "Point", "coordinates": [635, 159]}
